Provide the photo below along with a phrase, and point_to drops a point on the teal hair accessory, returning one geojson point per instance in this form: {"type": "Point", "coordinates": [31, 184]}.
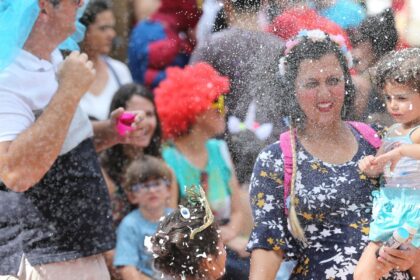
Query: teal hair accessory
{"type": "Point", "coordinates": [71, 43]}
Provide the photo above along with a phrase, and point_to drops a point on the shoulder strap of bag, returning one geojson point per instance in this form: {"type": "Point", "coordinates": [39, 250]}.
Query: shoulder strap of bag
{"type": "Point", "coordinates": [368, 133]}
{"type": "Point", "coordinates": [286, 148]}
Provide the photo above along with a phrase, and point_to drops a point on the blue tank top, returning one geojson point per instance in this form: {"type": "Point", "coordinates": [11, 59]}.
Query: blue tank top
{"type": "Point", "coordinates": [407, 171]}
{"type": "Point", "coordinates": [217, 172]}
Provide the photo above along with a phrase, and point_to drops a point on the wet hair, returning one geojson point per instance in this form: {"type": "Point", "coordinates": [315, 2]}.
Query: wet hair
{"type": "Point", "coordinates": [94, 8]}
{"type": "Point", "coordinates": [310, 49]}
{"type": "Point", "coordinates": [144, 169]}
{"type": "Point", "coordinates": [114, 159]}
{"type": "Point", "coordinates": [400, 67]}
{"type": "Point", "coordinates": [176, 254]}
{"type": "Point", "coordinates": [379, 31]}
{"type": "Point", "coordinates": [245, 6]}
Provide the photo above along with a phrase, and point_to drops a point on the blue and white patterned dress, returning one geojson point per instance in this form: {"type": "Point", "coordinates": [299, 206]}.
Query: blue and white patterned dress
{"type": "Point", "coordinates": [334, 209]}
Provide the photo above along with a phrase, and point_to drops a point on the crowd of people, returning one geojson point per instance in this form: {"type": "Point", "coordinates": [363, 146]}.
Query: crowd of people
{"type": "Point", "coordinates": [261, 140]}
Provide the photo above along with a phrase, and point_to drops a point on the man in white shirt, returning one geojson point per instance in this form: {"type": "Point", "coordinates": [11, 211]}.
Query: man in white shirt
{"type": "Point", "coordinates": [51, 179]}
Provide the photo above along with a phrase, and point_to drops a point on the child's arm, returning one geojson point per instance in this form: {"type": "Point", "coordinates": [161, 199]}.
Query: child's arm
{"type": "Point", "coordinates": [368, 267]}
{"type": "Point", "coordinates": [131, 273]}
{"type": "Point", "coordinates": [369, 167]}
{"type": "Point", "coordinates": [231, 230]}
{"type": "Point", "coordinates": [405, 150]}
{"type": "Point", "coordinates": [403, 260]}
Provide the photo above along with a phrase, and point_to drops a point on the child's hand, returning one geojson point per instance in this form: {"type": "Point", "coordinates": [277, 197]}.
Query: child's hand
{"type": "Point", "coordinates": [399, 259]}
{"type": "Point", "coordinates": [369, 167]}
{"type": "Point", "coordinates": [392, 156]}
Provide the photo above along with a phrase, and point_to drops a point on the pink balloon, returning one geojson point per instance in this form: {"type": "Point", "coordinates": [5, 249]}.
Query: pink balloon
{"type": "Point", "coordinates": [124, 123]}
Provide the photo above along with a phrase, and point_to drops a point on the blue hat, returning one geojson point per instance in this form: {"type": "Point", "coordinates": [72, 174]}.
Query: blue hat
{"type": "Point", "coordinates": [17, 18]}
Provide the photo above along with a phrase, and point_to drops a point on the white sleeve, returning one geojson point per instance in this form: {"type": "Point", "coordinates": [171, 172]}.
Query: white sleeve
{"type": "Point", "coordinates": [122, 71]}
{"type": "Point", "coordinates": [125, 75]}
{"type": "Point", "coordinates": [15, 116]}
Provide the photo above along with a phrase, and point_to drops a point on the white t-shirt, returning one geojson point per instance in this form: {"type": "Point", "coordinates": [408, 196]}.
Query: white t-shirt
{"type": "Point", "coordinates": [97, 106]}
{"type": "Point", "coordinates": [26, 87]}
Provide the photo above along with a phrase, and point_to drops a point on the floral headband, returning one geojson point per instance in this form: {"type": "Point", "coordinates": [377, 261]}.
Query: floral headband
{"type": "Point", "coordinates": [315, 36]}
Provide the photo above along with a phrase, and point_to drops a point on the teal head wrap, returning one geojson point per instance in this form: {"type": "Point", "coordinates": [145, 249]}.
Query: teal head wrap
{"type": "Point", "coordinates": [17, 18]}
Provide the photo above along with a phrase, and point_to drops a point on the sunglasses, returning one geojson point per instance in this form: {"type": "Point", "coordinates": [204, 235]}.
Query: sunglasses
{"type": "Point", "coordinates": [152, 184]}
{"type": "Point", "coordinates": [219, 104]}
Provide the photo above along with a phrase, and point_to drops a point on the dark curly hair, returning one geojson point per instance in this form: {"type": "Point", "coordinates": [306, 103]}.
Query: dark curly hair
{"type": "Point", "coordinates": [309, 49]}
{"type": "Point", "coordinates": [113, 159]}
{"type": "Point", "coordinates": [379, 30]}
{"type": "Point", "coordinates": [177, 255]}
{"type": "Point", "coordinates": [94, 8]}
{"type": "Point", "coordinates": [401, 67]}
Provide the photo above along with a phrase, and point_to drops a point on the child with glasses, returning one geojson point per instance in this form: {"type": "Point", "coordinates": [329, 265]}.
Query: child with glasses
{"type": "Point", "coordinates": [147, 185]}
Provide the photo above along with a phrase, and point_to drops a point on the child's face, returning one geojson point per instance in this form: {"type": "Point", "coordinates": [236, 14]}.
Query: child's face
{"type": "Point", "coordinates": [363, 56]}
{"type": "Point", "coordinates": [403, 103]}
{"type": "Point", "coordinates": [150, 195]}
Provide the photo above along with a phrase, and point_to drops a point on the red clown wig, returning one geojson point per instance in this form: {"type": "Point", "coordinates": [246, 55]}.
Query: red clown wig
{"type": "Point", "coordinates": [185, 94]}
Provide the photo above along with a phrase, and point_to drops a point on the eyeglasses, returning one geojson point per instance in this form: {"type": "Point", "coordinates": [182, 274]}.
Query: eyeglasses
{"type": "Point", "coordinates": [315, 84]}
{"type": "Point", "coordinates": [151, 184]}
{"type": "Point", "coordinates": [219, 104]}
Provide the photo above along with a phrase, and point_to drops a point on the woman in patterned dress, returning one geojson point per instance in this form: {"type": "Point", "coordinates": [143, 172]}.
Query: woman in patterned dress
{"type": "Point", "coordinates": [330, 205]}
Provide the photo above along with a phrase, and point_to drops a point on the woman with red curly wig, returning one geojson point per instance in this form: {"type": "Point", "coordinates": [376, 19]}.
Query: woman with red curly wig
{"type": "Point", "coordinates": [190, 105]}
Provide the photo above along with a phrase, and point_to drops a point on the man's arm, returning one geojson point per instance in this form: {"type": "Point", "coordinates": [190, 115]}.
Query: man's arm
{"type": "Point", "coordinates": [25, 160]}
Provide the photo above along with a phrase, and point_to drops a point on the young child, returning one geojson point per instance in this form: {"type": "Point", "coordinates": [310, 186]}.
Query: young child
{"type": "Point", "coordinates": [187, 244]}
{"type": "Point", "coordinates": [147, 185]}
{"type": "Point", "coordinates": [398, 201]}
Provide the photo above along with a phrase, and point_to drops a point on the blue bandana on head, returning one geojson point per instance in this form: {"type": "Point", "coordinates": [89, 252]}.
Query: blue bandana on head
{"type": "Point", "coordinates": [17, 18]}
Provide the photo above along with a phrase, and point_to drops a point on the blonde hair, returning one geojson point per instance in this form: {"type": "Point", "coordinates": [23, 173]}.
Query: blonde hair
{"type": "Point", "coordinates": [295, 227]}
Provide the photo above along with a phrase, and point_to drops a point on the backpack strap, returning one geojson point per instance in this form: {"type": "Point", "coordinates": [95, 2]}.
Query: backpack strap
{"type": "Point", "coordinates": [368, 133]}
{"type": "Point", "coordinates": [113, 71]}
{"type": "Point", "coordinates": [286, 148]}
